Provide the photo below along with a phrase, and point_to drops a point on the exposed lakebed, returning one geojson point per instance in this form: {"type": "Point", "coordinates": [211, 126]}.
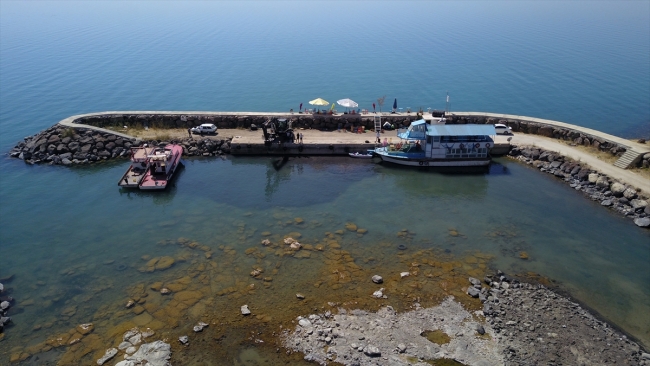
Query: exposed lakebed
{"type": "Point", "coordinates": [354, 219]}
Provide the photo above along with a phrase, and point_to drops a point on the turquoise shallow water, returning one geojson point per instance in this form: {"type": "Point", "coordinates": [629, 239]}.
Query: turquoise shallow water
{"type": "Point", "coordinates": [586, 63]}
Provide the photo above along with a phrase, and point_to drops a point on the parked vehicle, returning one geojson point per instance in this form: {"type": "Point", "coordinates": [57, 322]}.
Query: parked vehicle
{"type": "Point", "coordinates": [205, 129]}
{"type": "Point", "coordinates": [502, 129]}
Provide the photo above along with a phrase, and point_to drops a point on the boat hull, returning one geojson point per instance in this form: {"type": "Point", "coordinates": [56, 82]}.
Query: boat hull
{"type": "Point", "coordinates": [153, 182]}
{"type": "Point", "coordinates": [426, 162]}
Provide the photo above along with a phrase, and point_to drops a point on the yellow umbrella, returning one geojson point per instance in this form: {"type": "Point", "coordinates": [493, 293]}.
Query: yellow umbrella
{"type": "Point", "coordinates": [319, 101]}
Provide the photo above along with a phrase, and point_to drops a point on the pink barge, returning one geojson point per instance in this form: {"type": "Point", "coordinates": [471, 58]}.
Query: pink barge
{"type": "Point", "coordinates": [152, 167]}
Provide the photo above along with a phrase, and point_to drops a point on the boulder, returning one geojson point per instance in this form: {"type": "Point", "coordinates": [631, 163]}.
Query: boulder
{"type": "Point", "coordinates": [617, 189]}
{"type": "Point", "coordinates": [245, 310]}
{"type": "Point", "coordinates": [473, 291]}
{"type": "Point", "coordinates": [110, 353]}
{"type": "Point", "coordinates": [602, 182]}
{"type": "Point", "coordinates": [377, 279]}
{"type": "Point", "coordinates": [582, 174]}
{"type": "Point", "coordinates": [629, 193]}
{"type": "Point", "coordinates": [372, 351]}
{"type": "Point", "coordinates": [638, 204]}
{"type": "Point", "coordinates": [156, 353]}
{"type": "Point", "coordinates": [642, 221]}
{"type": "Point", "coordinates": [73, 146]}
{"type": "Point", "coordinates": [304, 323]}
{"type": "Point", "coordinates": [86, 148]}
{"type": "Point", "coordinates": [593, 177]}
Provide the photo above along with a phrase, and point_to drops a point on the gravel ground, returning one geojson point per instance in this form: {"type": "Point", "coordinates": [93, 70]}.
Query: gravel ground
{"type": "Point", "coordinates": [521, 324]}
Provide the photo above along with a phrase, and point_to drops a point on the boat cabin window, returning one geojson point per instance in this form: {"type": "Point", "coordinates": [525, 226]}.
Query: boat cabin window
{"type": "Point", "coordinates": [466, 153]}
{"type": "Point", "coordinates": [462, 138]}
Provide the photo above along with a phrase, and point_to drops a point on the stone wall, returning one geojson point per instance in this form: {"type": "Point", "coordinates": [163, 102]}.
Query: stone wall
{"type": "Point", "coordinates": [323, 122]}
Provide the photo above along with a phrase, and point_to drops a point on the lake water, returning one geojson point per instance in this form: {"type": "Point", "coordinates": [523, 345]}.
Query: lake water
{"type": "Point", "coordinates": [76, 243]}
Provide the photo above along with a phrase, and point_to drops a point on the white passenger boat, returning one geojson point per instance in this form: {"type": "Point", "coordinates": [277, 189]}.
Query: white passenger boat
{"type": "Point", "coordinates": [440, 145]}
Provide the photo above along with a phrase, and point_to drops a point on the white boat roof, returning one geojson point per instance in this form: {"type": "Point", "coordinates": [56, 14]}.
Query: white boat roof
{"type": "Point", "coordinates": [461, 130]}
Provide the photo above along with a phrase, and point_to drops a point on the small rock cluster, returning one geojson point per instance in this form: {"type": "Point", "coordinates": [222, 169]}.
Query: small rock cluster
{"type": "Point", "coordinates": [645, 162]}
{"type": "Point", "coordinates": [536, 326]}
{"type": "Point", "coordinates": [67, 146]}
{"type": "Point", "coordinates": [5, 304]}
{"type": "Point", "coordinates": [617, 196]}
{"type": "Point", "coordinates": [137, 353]}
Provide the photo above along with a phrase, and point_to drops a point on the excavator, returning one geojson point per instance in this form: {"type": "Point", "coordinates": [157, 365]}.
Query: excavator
{"type": "Point", "coordinates": [277, 130]}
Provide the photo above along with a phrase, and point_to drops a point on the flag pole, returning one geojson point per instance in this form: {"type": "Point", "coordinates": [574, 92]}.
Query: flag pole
{"type": "Point", "coordinates": [447, 105]}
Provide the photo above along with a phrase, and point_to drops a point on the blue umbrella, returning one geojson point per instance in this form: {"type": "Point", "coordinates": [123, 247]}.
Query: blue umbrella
{"type": "Point", "coordinates": [395, 105]}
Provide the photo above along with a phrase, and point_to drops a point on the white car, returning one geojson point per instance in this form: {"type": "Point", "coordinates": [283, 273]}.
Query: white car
{"type": "Point", "coordinates": [502, 129]}
{"type": "Point", "coordinates": [204, 129]}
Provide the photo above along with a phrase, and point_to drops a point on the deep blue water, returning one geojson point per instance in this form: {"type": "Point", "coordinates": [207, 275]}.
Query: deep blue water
{"type": "Point", "coordinates": [586, 63]}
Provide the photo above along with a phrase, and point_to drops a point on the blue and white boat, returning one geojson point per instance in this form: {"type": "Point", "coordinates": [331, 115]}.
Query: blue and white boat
{"type": "Point", "coordinates": [424, 144]}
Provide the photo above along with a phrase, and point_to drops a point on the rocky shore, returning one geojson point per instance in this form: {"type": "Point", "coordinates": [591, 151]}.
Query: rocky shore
{"type": "Point", "coordinates": [520, 324]}
{"type": "Point", "coordinates": [59, 145]}
{"type": "Point", "coordinates": [6, 302]}
{"type": "Point", "coordinates": [615, 195]}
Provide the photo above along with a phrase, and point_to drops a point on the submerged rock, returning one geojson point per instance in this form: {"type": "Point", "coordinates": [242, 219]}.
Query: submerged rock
{"type": "Point", "coordinates": [245, 310]}
{"type": "Point", "coordinates": [199, 327]}
{"type": "Point", "coordinates": [110, 353]}
{"type": "Point", "coordinates": [642, 222]}
{"type": "Point", "coordinates": [156, 353]}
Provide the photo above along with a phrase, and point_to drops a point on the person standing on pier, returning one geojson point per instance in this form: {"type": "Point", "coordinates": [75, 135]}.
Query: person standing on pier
{"type": "Point", "coordinates": [378, 137]}
{"type": "Point", "coordinates": [189, 132]}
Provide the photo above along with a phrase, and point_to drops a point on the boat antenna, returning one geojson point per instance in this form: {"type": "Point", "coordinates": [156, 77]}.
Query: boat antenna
{"type": "Point", "coordinates": [447, 105]}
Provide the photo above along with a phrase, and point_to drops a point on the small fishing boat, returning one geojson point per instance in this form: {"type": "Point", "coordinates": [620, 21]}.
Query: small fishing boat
{"type": "Point", "coordinates": [163, 162]}
{"type": "Point", "coordinates": [441, 145]}
{"type": "Point", "coordinates": [138, 168]}
{"type": "Point", "coordinates": [358, 155]}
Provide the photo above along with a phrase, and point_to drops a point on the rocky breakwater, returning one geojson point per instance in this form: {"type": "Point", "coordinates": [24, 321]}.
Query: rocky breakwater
{"type": "Point", "coordinates": [622, 198]}
{"type": "Point", "coordinates": [5, 305]}
{"type": "Point", "coordinates": [66, 146]}
{"type": "Point", "coordinates": [6, 302]}
{"type": "Point", "coordinates": [533, 325]}
{"type": "Point", "coordinates": [62, 145]}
